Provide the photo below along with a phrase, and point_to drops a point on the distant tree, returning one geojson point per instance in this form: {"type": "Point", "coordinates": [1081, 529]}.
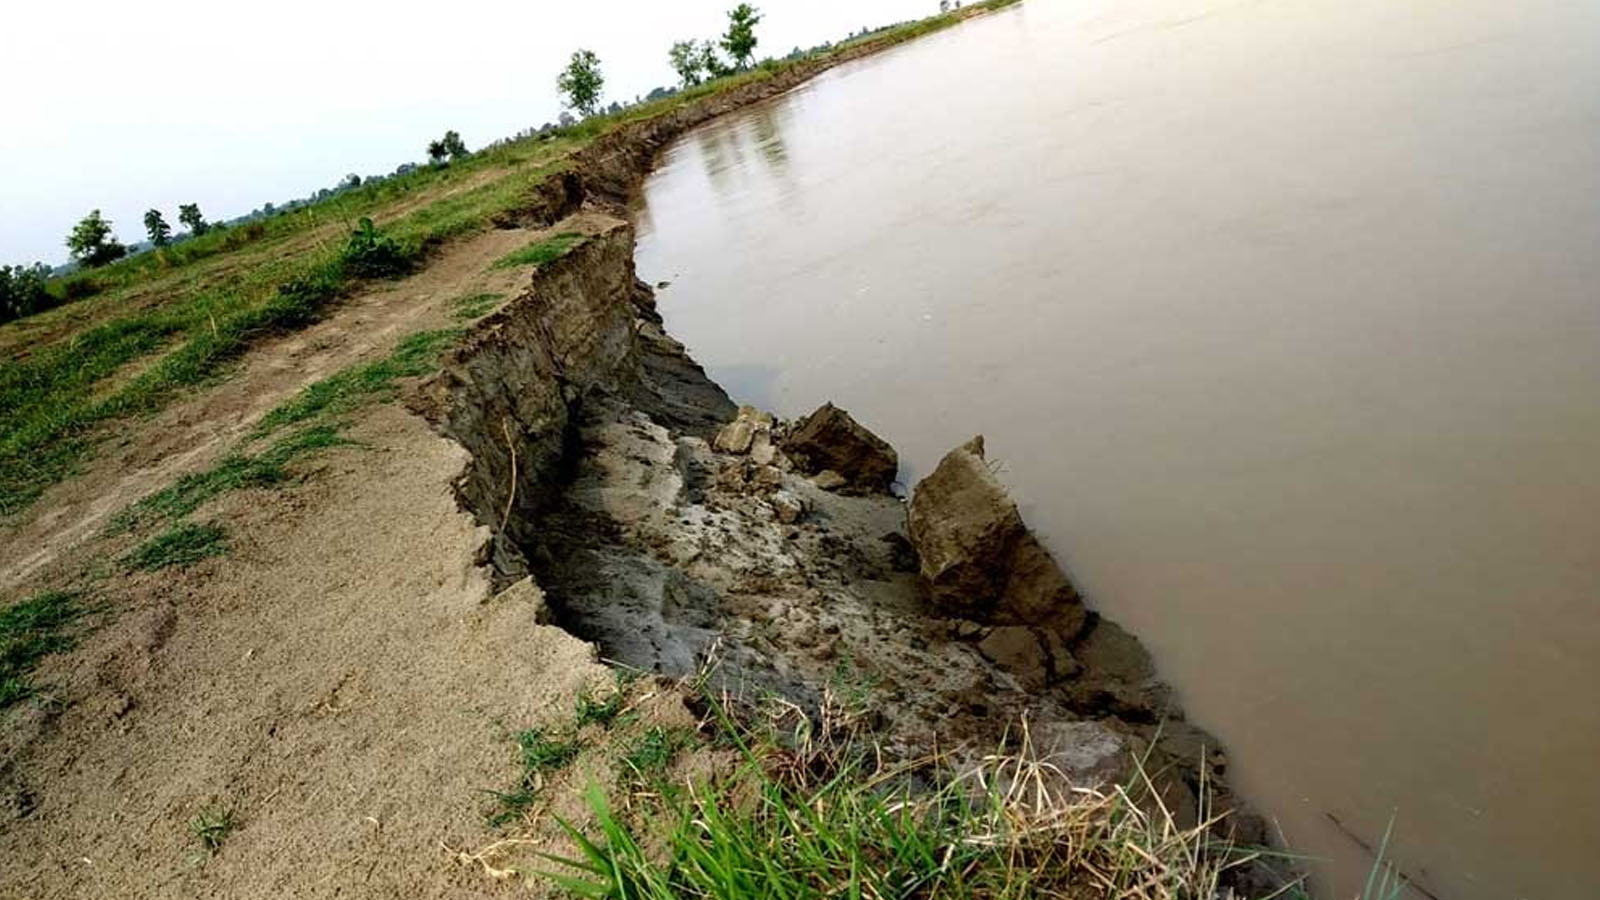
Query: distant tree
{"type": "Point", "coordinates": [565, 120]}
{"type": "Point", "coordinates": [740, 41]}
{"type": "Point", "coordinates": [437, 153]}
{"type": "Point", "coordinates": [582, 82]}
{"type": "Point", "coordinates": [91, 242]}
{"type": "Point", "coordinates": [944, 6]}
{"type": "Point", "coordinates": [687, 62]}
{"type": "Point", "coordinates": [158, 229]}
{"type": "Point", "coordinates": [189, 215]}
{"type": "Point", "coordinates": [350, 181]}
{"type": "Point", "coordinates": [454, 146]}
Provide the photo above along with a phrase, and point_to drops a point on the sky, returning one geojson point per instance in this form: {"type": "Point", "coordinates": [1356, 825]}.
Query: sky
{"type": "Point", "coordinates": [124, 106]}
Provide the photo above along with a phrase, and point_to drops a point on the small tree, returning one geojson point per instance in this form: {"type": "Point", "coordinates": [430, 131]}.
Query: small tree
{"type": "Point", "coordinates": [687, 62]}
{"type": "Point", "coordinates": [454, 146]}
{"type": "Point", "coordinates": [740, 41]}
{"type": "Point", "coordinates": [437, 153]}
{"type": "Point", "coordinates": [91, 242]}
{"type": "Point", "coordinates": [711, 62]}
{"type": "Point", "coordinates": [189, 215]}
{"type": "Point", "coordinates": [350, 182]}
{"type": "Point", "coordinates": [582, 82]}
{"type": "Point", "coordinates": [158, 229]}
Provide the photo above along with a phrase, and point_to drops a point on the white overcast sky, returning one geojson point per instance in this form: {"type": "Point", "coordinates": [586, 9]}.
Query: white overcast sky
{"type": "Point", "coordinates": [124, 106]}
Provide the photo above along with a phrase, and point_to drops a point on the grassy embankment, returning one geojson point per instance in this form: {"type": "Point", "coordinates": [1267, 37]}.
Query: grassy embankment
{"type": "Point", "coordinates": [164, 322]}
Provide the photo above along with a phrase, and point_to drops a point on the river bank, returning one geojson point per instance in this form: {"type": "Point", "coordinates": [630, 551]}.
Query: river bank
{"type": "Point", "coordinates": [676, 531]}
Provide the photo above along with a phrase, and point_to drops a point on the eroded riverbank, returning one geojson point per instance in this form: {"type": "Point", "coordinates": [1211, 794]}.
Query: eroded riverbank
{"type": "Point", "coordinates": [605, 465]}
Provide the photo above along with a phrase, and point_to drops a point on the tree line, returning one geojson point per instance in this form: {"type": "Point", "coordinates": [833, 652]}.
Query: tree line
{"type": "Point", "coordinates": [92, 242]}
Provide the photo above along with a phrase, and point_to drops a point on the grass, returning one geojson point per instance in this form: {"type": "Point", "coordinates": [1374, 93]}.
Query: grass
{"type": "Point", "coordinates": [815, 813]}
{"type": "Point", "coordinates": [540, 252]}
{"type": "Point", "coordinates": [648, 755]}
{"type": "Point", "coordinates": [474, 305]}
{"type": "Point", "coordinates": [337, 394]}
{"type": "Point", "coordinates": [212, 827]}
{"type": "Point", "coordinates": [183, 544]}
{"type": "Point", "coordinates": [416, 355]}
{"type": "Point", "coordinates": [599, 711]}
{"type": "Point", "coordinates": [540, 754]}
{"type": "Point", "coordinates": [29, 631]}
{"type": "Point", "coordinates": [234, 472]}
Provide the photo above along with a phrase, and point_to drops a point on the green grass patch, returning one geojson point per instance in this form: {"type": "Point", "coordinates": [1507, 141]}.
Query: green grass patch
{"type": "Point", "coordinates": [29, 631]}
{"type": "Point", "coordinates": [648, 755]}
{"type": "Point", "coordinates": [540, 252]}
{"type": "Point", "coordinates": [601, 711]}
{"type": "Point", "coordinates": [343, 391]}
{"type": "Point", "coordinates": [233, 473]}
{"type": "Point", "coordinates": [183, 544]}
{"type": "Point", "coordinates": [474, 305]}
{"type": "Point", "coordinates": [340, 393]}
{"type": "Point", "coordinates": [540, 754]}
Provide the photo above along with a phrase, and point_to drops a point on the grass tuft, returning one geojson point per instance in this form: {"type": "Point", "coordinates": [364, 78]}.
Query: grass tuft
{"type": "Point", "coordinates": [183, 544]}
{"type": "Point", "coordinates": [649, 754]}
{"type": "Point", "coordinates": [30, 631]}
{"type": "Point", "coordinates": [474, 305]}
{"type": "Point", "coordinates": [592, 710]}
{"type": "Point", "coordinates": [541, 252]}
{"type": "Point", "coordinates": [541, 754]}
{"type": "Point", "coordinates": [212, 827]}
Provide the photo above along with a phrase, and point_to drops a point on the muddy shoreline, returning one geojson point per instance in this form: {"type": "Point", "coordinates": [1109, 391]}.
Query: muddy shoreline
{"type": "Point", "coordinates": [597, 467]}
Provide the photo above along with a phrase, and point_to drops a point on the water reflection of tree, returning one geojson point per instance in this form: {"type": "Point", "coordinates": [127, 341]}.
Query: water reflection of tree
{"type": "Point", "coordinates": [725, 148]}
{"type": "Point", "coordinates": [768, 128]}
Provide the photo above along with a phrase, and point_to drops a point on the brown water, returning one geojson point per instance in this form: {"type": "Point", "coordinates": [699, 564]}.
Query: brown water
{"type": "Point", "coordinates": [1284, 318]}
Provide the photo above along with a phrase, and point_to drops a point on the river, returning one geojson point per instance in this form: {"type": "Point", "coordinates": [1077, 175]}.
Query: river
{"type": "Point", "coordinates": [1284, 319]}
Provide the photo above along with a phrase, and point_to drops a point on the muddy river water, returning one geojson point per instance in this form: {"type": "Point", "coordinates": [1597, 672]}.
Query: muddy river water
{"type": "Point", "coordinates": [1284, 318]}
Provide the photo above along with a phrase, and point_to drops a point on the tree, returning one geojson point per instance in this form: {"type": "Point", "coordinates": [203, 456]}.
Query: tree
{"type": "Point", "coordinates": [740, 41]}
{"type": "Point", "coordinates": [189, 215]}
{"type": "Point", "coordinates": [158, 229]}
{"type": "Point", "coordinates": [437, 153]}
{"type": "Point", "coordinates": [711, 62]}
{"type": "Point", "coordinates": [687, 62]}
{"type": "Point", "coordinates": [454, 146]}
{"type": "Point", "coordinates": [582, 82]}
{"type": "Point", "coordinates": [91, 242]}
{"type": "Point", "coordinates": [350, 182]}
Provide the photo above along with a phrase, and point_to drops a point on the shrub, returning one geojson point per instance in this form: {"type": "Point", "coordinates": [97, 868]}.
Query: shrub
{"type": "Point", "coordinates": [372, 254]}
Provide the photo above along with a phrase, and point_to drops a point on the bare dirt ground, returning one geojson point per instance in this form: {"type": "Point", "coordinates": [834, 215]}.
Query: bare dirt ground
{"type": "Point", "coordinates": [337, 680]}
